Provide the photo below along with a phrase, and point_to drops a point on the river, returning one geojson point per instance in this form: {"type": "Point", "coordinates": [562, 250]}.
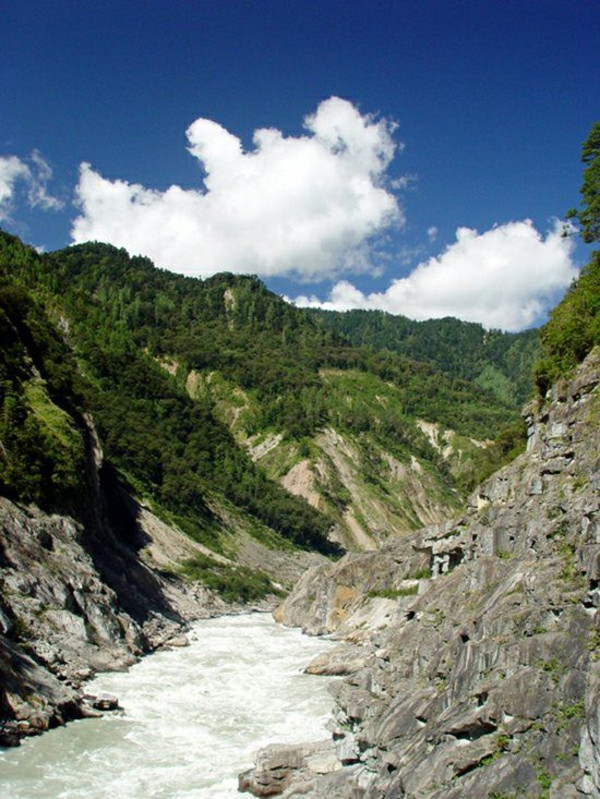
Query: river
{"type": "Point", "coordinates": [192, 719]}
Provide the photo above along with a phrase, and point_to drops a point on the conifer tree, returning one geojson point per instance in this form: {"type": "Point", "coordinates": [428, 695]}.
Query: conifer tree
{"type": "Point", "coordinates": [589, 213]}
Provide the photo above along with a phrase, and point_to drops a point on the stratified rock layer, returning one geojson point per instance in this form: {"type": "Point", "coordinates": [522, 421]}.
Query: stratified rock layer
{"type": "Point", "coordinates": [70, 606]}
{"type": "Point", "coordinates": [483, 679]}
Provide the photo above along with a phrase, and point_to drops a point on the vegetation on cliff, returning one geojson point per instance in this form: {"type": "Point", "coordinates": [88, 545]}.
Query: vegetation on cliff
{"type": "Point", "coordinates": [42, 434]}
{"type": "Point", "coordinates": [588, 214]}
{"type": "Point", "coordinates": [574, 326]}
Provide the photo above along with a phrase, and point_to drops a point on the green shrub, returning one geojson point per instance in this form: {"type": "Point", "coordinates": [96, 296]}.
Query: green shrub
{"type": "Point", "coordinates": [393, 593]}
{"type": "Point", "coordinates": [233, 583]}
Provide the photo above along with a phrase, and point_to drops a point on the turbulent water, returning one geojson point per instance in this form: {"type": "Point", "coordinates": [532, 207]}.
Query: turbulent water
{"type": "Point", "coordinates": [192, 719]}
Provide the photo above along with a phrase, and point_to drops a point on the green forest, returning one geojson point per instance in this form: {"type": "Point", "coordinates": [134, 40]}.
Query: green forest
{"type": "Point", "coordinates": [164, 444]}
{"type": "Point", "coordinates": [499, 362]}
{"type": "Point", "coordinates": [97, 325]}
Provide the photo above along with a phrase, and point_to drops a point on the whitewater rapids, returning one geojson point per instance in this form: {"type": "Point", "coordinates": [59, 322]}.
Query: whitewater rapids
{"type": "Point", "coordinates": [192, 719]}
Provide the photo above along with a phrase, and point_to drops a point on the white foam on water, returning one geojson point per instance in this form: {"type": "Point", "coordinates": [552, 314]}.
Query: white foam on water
{"type": "Point", "coordinates": [193, 718]}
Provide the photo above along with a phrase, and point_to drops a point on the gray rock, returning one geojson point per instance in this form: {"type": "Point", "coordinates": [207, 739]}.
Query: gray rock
{"type": "Point", "coordinates": [278, 765]}
{"type": "Point", "coordinates": [488, 681]}
{"type": "Point", "coordinates": [342, 660]}
{"type": "Point", "coordinates": [105, 701]}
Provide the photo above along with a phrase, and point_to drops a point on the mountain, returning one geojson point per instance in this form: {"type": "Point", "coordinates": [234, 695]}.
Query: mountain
{"type": "Point", "coordinates": [191, 443]}
{"type": "Point", "coordinates": [171, 447]}
{"type": "Point", "coordinates": [376, 442]}
{"type": "Point", "coordinates": [161, 440]}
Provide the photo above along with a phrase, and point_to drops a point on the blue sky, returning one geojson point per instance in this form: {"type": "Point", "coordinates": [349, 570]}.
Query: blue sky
{"type": "Point", "coordinates": [427, 117]}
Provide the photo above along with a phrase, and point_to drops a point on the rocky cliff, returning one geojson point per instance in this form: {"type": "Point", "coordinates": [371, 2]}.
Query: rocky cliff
{"type": "Point", "coordinates": [69, 609]}
{"type": "Point", "coordinates": [471, 649]}
{"type": "Point", "coordinates": [77, 597]}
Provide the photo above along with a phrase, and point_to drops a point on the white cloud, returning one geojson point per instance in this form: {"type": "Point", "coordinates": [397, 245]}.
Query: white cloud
{"type": "Point", "coordinates": [432, 233]}
{"type": "Point", "coordinates": [12, 169]}
{"type": "Point", "coordinates": [405, 182]}
{"type": "Point", "coordinates": [33, 177]}
{"type": "Point", "coordinates": [311, 206]}
{"type": "Point", "coordinates": [39, 177]}
{"type": "Point", "coordinates": [507, 277]}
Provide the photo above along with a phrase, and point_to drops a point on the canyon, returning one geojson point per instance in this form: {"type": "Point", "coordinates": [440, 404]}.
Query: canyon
{"type": "Point", "coordinates": [471, 649]}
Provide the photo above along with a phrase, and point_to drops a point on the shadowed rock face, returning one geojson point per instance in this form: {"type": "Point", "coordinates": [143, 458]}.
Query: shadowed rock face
{"type": "Point", "coordinates": [486, 682]}
{"type": "Point", "coordinates": [60, 621]}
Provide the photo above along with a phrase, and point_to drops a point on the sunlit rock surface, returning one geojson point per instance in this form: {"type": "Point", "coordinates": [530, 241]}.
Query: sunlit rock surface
{"type": "Point", "coordinates": [481, 673]}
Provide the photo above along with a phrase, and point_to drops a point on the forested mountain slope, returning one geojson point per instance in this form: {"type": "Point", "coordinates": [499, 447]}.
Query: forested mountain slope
{"type": "Point", "coordinates": [499, 362]}
{"type": "Point", "coordinates": [178, 368]}
{"type": "Point", "coordinates": [163, 443]}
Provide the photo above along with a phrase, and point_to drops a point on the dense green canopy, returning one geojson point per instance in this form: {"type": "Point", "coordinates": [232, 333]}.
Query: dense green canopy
{"type": "Point", "coordinates": [589, 213]}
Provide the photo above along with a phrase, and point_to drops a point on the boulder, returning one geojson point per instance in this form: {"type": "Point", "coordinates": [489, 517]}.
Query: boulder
{"type": "Point", "coordinates": [105, 701]}
{"type": "Point", "coordinates": [278, 765]}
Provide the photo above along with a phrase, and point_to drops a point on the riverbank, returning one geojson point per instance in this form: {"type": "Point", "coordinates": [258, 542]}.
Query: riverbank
{"type": "Point", "coordinates": [76, 600]}
{"type": "Point", "coordinates": [480, 637]}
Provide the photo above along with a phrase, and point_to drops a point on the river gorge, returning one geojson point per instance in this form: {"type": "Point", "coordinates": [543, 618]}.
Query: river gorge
{"type": "Point", "coordinates": [192, 718]}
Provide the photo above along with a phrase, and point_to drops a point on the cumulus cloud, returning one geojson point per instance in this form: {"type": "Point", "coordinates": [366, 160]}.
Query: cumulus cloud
{"type": "Point", "coordinates": [32, 176]}
{"type": "Point", "coordinates": [310, 206]}
{"type": "Point", "coordinates": [507, 277]}
{"type": "Point", "coordinates": [12, 169]}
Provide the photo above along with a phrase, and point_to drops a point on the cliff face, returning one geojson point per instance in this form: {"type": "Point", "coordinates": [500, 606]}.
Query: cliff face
{"type": "Point", "coordinates": [70, 607]}
{"type": "Point", "coordinates": [481, 679]}
{"type": "Point", "coordinates": [59, 621]}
